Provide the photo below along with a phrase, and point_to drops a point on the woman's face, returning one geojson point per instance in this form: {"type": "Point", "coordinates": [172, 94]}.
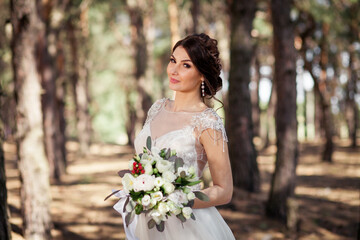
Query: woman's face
{"type": "Point", "coordinates": [183, 75]}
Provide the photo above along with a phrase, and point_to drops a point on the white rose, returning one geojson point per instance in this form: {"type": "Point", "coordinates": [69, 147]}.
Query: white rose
{"type": "Point", "coordinates": [168, 187]}
{"type": "Point", "coordinates": [178, 197]}
{"type": "Point", "coordinates": [190, 196]}
{"type": "Point", "coordinates": [163, 208]}
{"type": "Point", "coordinates": [145, 201]}
{"type": "Point", "coordinates": [157, 216]}
{"type": "Point", "coordinates": [148, 169]}
{"type": "Point", "coordinates": [186, 211]}
{"type": "Point", "coordinates": [163, 165]}
{"type": "Point", "coordinates": [169, 176]}
{"type": "Point", "coordinates": [157, 196]}
{"type": "Point", "coordinates": [128, 182]}
{"type": "Point", "coordinates": [191, 170]}
{"type": "Point", "coordinates": [144, 182]}
{"type": "Point", "coordinates": [159, 182]}
{"type": "Point", "coordinates": [173, 208]}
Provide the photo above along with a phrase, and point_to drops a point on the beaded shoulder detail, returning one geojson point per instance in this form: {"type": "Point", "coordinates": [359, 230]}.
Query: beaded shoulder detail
{"type": "Point", "coordinates": [154, 110]}
{"type": "Point", "coordinates": [209, 119]}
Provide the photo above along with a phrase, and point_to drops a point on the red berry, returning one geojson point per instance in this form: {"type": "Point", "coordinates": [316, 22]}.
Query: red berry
{"type": "Point", "coordinates": [133, 171]}
{"type": "Point", "coordinates": [140, 167]}
{"type": "Point", "coordinates": [134, 164]}
{"type": "Point", "coordinates": [143, 171]}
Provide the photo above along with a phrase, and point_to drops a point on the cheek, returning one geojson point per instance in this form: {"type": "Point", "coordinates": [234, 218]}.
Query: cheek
{"type": "Point", "coordinates": [168, 69]}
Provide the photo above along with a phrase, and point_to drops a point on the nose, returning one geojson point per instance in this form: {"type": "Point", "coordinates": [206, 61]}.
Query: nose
{"type": "Point", "coordinates": [173, 69]}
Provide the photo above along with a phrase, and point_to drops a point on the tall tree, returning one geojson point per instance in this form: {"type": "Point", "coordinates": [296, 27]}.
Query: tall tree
{"type": "Point", "coordinates": [352, 111]}
{"type": "Point", "coordinates": [174, 22]}
{"type": "Point", "coordinates": [51, 18]}
{"type": "Point", "coordinates": [238, 119]}
{"type": "Point", "coordinates": [78, 34]}
{"type": "Point", "coordinates": [32, 162]}
{"type": "Point", "coordinates": [137, 10]}
{"type": "Point", "coordinates": [283, 179]}
{"type": "Point", "coordinates": [5, 229]}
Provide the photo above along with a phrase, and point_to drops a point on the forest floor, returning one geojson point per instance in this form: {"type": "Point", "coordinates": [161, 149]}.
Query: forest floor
{"type": "Point", "coordinates": [327, 196]}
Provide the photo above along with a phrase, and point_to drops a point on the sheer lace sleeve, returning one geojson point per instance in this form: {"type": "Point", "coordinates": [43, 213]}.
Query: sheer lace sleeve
{"type": "Point", "coordinates": [154, 110]}
{"type": "Point", "coordinates": [209, 119]}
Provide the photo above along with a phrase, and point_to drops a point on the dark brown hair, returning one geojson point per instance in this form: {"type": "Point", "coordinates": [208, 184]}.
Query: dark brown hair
{"type": "Point", "coordinates": [204, 54]}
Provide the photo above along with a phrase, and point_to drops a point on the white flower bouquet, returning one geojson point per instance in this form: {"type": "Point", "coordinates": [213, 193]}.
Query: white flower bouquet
{"type": "Point", "coordinates": [158, 184]}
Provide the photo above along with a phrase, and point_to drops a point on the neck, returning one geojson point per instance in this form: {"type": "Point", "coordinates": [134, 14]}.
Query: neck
{"type": "Point", "coordinates": [187, 102]}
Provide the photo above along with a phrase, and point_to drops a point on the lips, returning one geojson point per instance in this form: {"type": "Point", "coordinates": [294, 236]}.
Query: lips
{"type": "Point", "coordinates": [173, 80]}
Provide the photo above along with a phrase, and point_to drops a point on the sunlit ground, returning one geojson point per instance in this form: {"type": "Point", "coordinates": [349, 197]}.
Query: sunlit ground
{"type": "Point", "coordinates": [327, 195]}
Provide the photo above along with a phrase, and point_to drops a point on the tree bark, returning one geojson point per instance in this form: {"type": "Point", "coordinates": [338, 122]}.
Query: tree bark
{"type": "Point", "coordinates": [352, 108]}
{"type": "Point", "coordinates": [238, 119]}
{"type": "Point", "coordinates": [195, 9]}
{"type": "Point", "coordinates": [33, 165]}
{"type": "Point", "coordinates": [137, 13]}
{"type": "Point", "coordinates": [283, 179]}
{"type": "Point", "coordinates": [80, 75]}
{"type": "Point", "coordinates": [49, 76]}
{"type": "Point", "coordinates": [174, 23]}
{"type": "Point", "coordinates": [5, 228]}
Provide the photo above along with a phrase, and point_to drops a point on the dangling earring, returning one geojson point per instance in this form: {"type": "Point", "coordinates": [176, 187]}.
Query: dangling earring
{"type": "Point", "coordinates": [202, 89]}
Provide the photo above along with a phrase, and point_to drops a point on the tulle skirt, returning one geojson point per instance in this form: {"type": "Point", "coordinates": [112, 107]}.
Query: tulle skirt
{"type": "Point", "coordinates": [209, 225]}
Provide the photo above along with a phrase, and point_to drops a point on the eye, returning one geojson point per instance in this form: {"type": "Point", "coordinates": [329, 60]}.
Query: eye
{"type": "Point", "coordinates": [172, 60]}
{"type": "Point", "coordinates": [187, 65]}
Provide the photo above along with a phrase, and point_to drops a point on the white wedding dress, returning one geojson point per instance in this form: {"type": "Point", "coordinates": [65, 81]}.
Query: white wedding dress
{"type": "Point", "coordinates": [180, 131]}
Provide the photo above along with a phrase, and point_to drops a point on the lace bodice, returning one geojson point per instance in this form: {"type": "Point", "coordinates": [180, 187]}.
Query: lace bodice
{"type": "Point", "coordinates": [180, 131]}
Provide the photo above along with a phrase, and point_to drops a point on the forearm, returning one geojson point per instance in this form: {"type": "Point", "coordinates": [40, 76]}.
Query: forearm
{"type": "Point", "coordinates": [218, 196]}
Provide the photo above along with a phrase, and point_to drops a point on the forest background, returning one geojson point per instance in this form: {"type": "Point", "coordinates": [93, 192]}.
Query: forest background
{"type": "Point", "coordinates": [78, 77]}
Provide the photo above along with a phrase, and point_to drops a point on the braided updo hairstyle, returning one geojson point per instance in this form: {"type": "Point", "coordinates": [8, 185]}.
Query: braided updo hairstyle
{"type": "Point", "coordinates": [204, 54]}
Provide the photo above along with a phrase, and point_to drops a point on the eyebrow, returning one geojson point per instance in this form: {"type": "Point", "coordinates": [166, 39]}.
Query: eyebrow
{"type": "Point", "coordinates": [186, 60]}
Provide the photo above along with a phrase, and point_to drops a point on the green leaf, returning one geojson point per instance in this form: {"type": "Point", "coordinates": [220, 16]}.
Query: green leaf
{"type": "Point", "coordinates": [151, 223]}
{"type": "Point", "coordinates": [181, 217]}
{"type": "Point", "coordinates": [126, 203]}
{"type": "Point", "coordinates": [161, 226]}
{"type": "Point", "coordinates": [129, 218]}
{"type": "Point", "coordinates": [178, 180]}
{"type": "Point", "coordinates": [190, 203]}
{"type": "Point", "coordinates": [168, 153]}
{"type": "Point", "coordinates": [121, 173]}
{"type": "Point", "coordinates": [179, 162]}
{"type": "Point", "coordinates": [148, 143]}
{"type": "Point", "coordinates": [172, 159]}
{"type": "Point", "coordinates": [193, 216]}
{"type": "Point", "coordinates": [202, 196]}
{"type": "Point", "coordinates": [138, 209]}
{"type": "Point", "coordinates": [193, 183]}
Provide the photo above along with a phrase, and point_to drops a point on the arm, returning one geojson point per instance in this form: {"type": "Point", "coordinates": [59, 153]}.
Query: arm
{"type": "Point", "coordinates": [221, 191]}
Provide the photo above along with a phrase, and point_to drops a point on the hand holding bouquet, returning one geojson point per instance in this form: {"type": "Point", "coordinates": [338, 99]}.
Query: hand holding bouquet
{"type": "Point", "coordinates": [158, 184]}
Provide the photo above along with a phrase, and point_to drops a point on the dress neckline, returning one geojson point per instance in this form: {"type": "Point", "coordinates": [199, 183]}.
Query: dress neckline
{"type": "Point", "coordinates": [167, 100]}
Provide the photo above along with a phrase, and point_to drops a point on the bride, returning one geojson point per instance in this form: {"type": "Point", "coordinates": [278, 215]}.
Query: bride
{"type": "Point", "coordinates": [197, 133]}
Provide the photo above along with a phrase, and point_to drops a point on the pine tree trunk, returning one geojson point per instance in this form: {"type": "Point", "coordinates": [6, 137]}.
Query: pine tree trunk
{"type": "Point", "coordinates": [238, 119]}
{"type": "Point", "coordinates": [48, 71]}
{"type": "Point", "coordinates": [195, 9]}
{"type": "Point", "coordinates": [140, 54]}
{"type": "Point", "coordinates": [5, 228]}
{"type": "Point", "coordinates": [283, 180]}
{"type": "Point", "coordinates": [79, 78]}
{"type": "Point", "coordinates": [174, 23]}
{"type": "Point", "coordinates": [33, 165]}
{"type": "Point", "coordinates": [353, 109]}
